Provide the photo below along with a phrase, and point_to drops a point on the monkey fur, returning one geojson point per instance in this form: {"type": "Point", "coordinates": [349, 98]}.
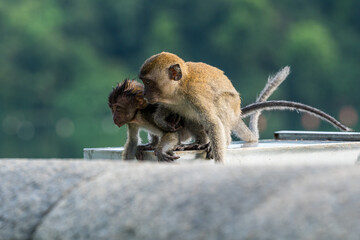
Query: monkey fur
{"type": "Point", "coordinates": [289, 105]}
{"type": "Point", "coordinates": [168, 121]}
{"type": "Point", "coordinates": [202, 93]}
{"type": "Point", "coordinates": [129, 107]}
{"type": "Point", "coordinates": [254, 110]}
{"type": "Point", "coordinates": [272, 84]}
{"type": "Point", "coordinates": [165, 128]}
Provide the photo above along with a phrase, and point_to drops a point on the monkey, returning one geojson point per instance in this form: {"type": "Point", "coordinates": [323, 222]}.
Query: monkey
{"type": "Point", "coordinates": [166, 129]}
{"type": "Point", "coordinates": [129, 107]}
{"type": "Point", "coordinates": [131, 92]}
{"type": "Point", "coordinates": [168, 120]}
{"type": "Point", "coordinates": [272, 84]}
{"type": "Point", "coordinates": [258, 107]}
{"type": "Point", "coordinates": [262, 106]}
{"type": "Point", "coordinates": [254, 110]}
{"type": "Point", "coordinates": [200, 93]}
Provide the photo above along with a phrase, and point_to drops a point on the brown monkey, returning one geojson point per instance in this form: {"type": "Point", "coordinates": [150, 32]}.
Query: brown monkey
{"type": "Point", "coordinates": [254, 110]}
{"type": "Point", "coordinates": [129, 107]}
{"type": "Point", "coordinates": [199, 93]}
{"type": "Point", "coordinates": [254, 113]}
{"type": "Point", "coordinates": [166, 129]}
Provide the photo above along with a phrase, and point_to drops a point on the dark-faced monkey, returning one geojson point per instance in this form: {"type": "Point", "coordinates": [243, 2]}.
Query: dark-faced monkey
{"type": "Point", "coordinates": [129, 107]}
{"type": "Point", "coordinates": [166, 129]}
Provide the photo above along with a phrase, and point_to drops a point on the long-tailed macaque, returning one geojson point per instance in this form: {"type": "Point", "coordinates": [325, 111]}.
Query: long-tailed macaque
{"type": "Point", "coordinates": [167, 122]}
{"type": "Point", "coordinates": [166, 129]}
{"type": "Point", "coordinates": [199, 93]}
{"type": "Point", "coordinates": [129, 107]}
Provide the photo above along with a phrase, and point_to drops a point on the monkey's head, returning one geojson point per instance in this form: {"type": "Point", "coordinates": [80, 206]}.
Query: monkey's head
{"type": "Point", "coordinates": [161, 75]}
{"type": "Point", "coordinates": [125, 100]}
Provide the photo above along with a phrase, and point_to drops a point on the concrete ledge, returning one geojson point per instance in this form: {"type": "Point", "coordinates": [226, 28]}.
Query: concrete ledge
{"type": "Point", "coordinates": [120, 200]}
{"type": "Point", "coordinates": [266, 152]}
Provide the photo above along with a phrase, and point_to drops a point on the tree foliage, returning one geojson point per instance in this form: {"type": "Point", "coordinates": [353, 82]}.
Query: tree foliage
{"type": "Point", "coordinates": [59, 60]}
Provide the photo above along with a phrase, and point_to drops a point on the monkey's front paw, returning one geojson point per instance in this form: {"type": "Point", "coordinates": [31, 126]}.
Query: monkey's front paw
{"type": "Point", "coordinates": [166, 157]}
{"type": "Point", "coordinates": [209, 152]}
{"type": "Point", "coordinates": [174, 123]}
{"type": "Point", "coordinates": [146, 147]}
{"type": "Point", "coordinates": [171, 128]}
{"type": "Point", "coordinates": [140, 150]}
{"type": "Point", "coordinates": [180, 147]}
{"type": "Point", "coordinates": [202, 146]}
{"type": "Point", "coordinates": [139, 154]}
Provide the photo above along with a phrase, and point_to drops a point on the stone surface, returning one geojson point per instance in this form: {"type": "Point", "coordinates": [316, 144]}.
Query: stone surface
{"type": "Point", "coordinates": [30, 189]}
{"type": "Point", "coordinates": [105, 200]}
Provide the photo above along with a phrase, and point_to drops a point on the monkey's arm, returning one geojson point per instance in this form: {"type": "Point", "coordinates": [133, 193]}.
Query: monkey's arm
{"type": "Point", "coordinates": [131, 142]}
{"type": "Point", "coordinates": [167, 120]}
{"type": "Point", "coordinates": [201, 139]}
{"type": "Point", "coordinates": [213, 126]}
{"type": "Point", "coordinates": [289, 105]}
{"type": "Point", "coordinates": [153, 139]}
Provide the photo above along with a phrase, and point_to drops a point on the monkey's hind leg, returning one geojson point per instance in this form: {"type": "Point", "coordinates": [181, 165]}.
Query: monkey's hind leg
{"type": "Point", "coordinates": [218, 140]}
{"type": "Point", "coordinates": [154, 140]}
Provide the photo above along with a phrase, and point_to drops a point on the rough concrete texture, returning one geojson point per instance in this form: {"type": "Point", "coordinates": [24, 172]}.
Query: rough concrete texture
{"type": "Point", "coordinates": [30, 189]}
{"type": "Point", "coordinates": [104, 200]}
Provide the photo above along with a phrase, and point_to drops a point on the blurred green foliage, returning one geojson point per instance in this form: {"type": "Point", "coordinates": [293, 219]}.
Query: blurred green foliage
{"type": "Point", "coordinates": [60, 59]}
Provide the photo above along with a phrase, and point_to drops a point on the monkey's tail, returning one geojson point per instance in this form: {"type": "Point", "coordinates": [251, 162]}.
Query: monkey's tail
{"type": "Point", "coordinates": [272, 84]}
{"type": "Point", "coordinates": [289, 105]}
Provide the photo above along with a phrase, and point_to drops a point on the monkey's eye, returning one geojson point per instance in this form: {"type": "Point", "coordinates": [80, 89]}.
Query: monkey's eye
{"type": "Point", "coordinates": [118, 108]}
{"type": "Point", "coordinates": [146, 80]}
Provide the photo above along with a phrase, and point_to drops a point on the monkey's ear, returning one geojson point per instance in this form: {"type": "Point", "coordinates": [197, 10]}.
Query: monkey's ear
{"type": "Point", "coordinates": [174, 72]}
{"type": "Point", "coordinates": [142, 103]}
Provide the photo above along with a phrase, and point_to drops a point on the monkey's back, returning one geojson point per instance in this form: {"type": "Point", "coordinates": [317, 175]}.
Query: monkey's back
{"type": "Point", "coordinates": [208, 82]}
{"type": "Point", "coordinates": [203, 77]}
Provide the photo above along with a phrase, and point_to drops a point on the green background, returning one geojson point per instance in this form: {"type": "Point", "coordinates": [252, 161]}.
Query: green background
{"type": "Point", "coordinates": [60, 59]}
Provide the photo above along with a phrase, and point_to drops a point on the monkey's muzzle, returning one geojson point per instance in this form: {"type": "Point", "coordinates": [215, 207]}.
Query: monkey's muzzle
{"type": "Point", "coordinates": [118, 123]}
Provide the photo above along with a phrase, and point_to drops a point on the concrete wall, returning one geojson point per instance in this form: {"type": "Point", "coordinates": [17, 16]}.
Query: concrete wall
{"type": "Point", "coordinates": [117, 200]}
